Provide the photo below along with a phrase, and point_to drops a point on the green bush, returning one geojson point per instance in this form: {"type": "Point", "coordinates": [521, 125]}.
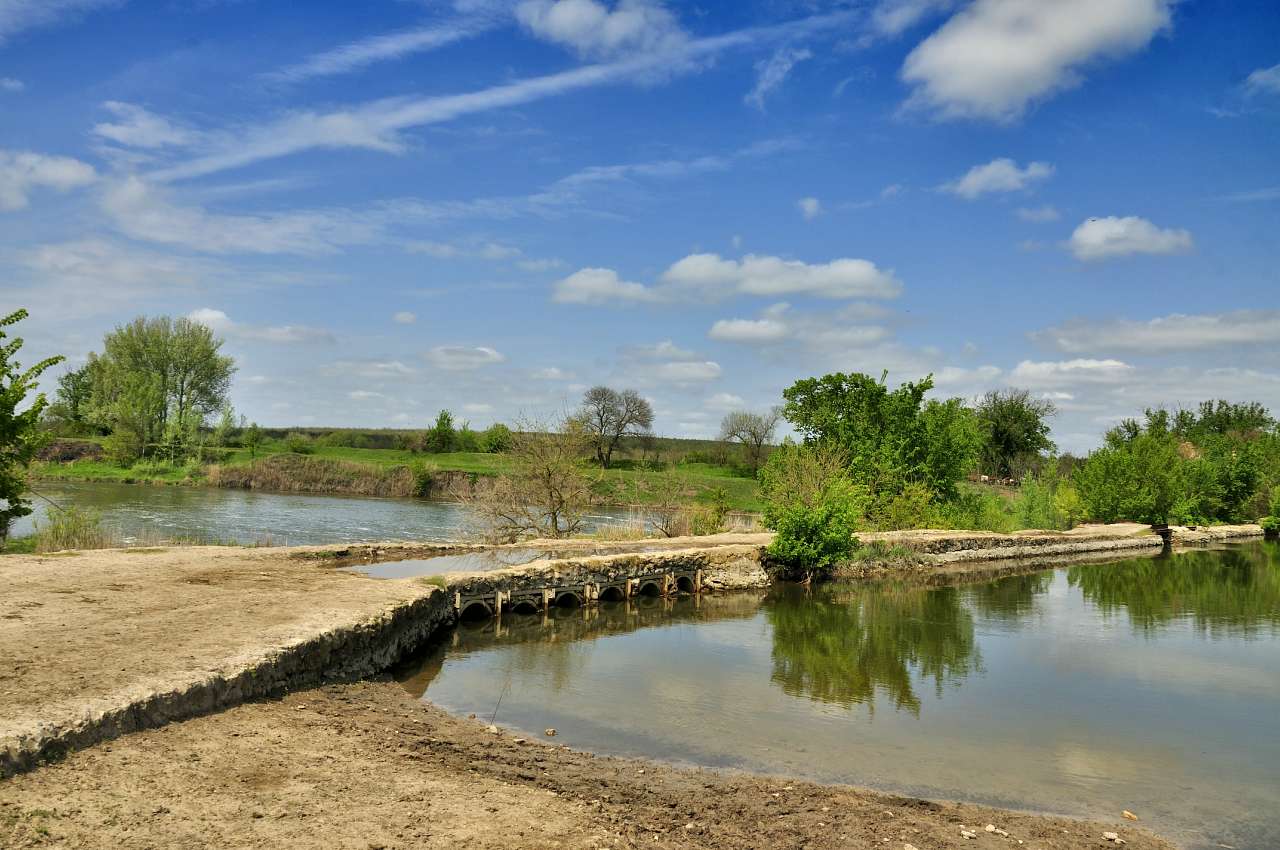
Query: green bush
{"type": "Point", "coordinates": [813, 505]}
{"type": "Point", "coordinates": [1270, 524]}
{"type": "Point", "coordinates": [298, 443]}
{"type": "Point", "coordinates": [911, 507]}
{"type": "Point", "coordinates": [423, 478]}
{"type": "Point", "coordinates": [346, 438]}
{"type": "Point", "coordinates": [466, 440]}
{"type": "Point", "coordinates": [708, 517]}
{"type": "Point", "coordinates": [976, 510]}
{"type": "Point", "coordinates": [496, 439]}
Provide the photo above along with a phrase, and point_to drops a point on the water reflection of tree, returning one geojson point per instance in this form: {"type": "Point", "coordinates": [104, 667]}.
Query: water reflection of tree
{"type": "Point", "coordinates": [841, 645]}
{"type": "Point", "coordinates": [1011, 598]}
{"type": "Point", "coordinates": [1229, 592]}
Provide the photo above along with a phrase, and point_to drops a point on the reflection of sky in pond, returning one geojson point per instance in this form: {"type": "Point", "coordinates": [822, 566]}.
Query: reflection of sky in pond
{"type": "Point", "coordinates": [1151, 685]}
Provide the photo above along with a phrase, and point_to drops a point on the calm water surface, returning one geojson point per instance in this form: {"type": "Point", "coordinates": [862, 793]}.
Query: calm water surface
{"type": "Point", "coordinates": [1150, 684]}
{"type": "Point", "coordinates": [242, 516]}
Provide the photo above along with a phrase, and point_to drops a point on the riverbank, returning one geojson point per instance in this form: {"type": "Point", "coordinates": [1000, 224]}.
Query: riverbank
{"type": "Point", "coordinates": [395, 473]}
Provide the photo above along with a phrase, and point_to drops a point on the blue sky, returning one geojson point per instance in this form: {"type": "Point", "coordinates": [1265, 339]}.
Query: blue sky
{"type": "Point", "coordinates": [391, 207]}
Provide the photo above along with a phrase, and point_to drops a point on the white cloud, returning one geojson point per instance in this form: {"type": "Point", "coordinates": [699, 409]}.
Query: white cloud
{"type": "Point", "coordinates": [1175, 332]}
{"type": "Point", "coordinates": [9, 84]}
{"type": "Point", "coordinates": [478, 249]}
{"type": "Point", "coordinates": [771, 73]}
{"type": "Point", "coordinates": [600, 286]}
{"type": "Point", "coordinates": [144, 211]}
{"type": "Point", "coordinates": [1264, 81]}
{"type": "Point", "coordinates": [892, 17]}
{"type": "Point", "coordinates": [687, 372]}
{"type": "Point", "coordinates": [404, 317]}
{"type": "Point", "coordinates": [19, 15]}
{"type": "Point", "coordinates": [1269, 193]}
{"type": "Point", "coordinates": [749, 330]}
{"type": "Point", "coordinates": [23, 171]}
{"type": "Point", "coordinates": [542, 264]}
{"type": "Point", "coordinates": [725, 401]}
{"type": "Point", "coordinates": [551, 373]}
{"type": "Point", "coordinates": [456, 358]}
{"type": "Point", "coordinates": [136, 127]}
{"type": "Point", "coordinates": [595, 31]}
{"type": "Point", "coordinates": [709, 276]}
{"type": "Point", "coordinates": [810, 208]}
{"type": "Point", "coordinates": [369, 369]}
{"type": "Point", "coordinates": [364, 52]}
{"type": "Point", "coordinates": [1081, 371]}
{"type": "Point", "coordinates": [1039, 215]}
{"type": "Point", "coordinates": [999, 175]}
{"type": "Point", "coordinates": [995, 57]}
{"type": "Point", "coordinates": [220, 322]}
{"type": "Point", "coordinates": [1103, 238]}
{"type": "Point", "coordinates": [765, 275]}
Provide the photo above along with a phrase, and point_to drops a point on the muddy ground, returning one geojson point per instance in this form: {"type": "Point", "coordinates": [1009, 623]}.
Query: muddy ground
{"type": "Point", "coordinates": [365, 765]}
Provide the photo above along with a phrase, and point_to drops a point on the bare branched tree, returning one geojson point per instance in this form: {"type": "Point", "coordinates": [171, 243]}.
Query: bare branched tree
{"type": "Point", "coordinates": [753, 430]}
{"type": "Point", "coordinates": [546, 491]}
{"type": "Point", "coordinates": [608, 415]}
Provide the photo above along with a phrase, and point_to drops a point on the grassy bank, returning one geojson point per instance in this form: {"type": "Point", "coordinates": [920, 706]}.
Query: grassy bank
{"type": "Point", "coordinates": [396, 472]}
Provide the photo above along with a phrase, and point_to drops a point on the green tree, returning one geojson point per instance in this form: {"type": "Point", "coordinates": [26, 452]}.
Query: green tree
{"type": "Point", "coordinates": [1014, 430]}
{"type": "Point", "coordinates": [75, 391]}
{"type": "Point", "coordinates": [152, 371]}
{"type": "Point", "coordinates": [252, 439]}
{"type": "Point", "coordinates": [20, 437]}
{"type": "Point", "coordinates": [497, 438]}
{"type": "Point", "coordinates": [441, 437]}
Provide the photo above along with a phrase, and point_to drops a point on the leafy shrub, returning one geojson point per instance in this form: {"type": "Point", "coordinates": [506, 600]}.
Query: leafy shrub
{"type": "Point", "coordinates": [708, 517]}
{"type": "Point", "coordinates": [346, 438]}
{"type": "Point", "coordinates": [298, 443]}
{"type": "Point", "coordinates": [441, 437]}
{"type": "Point", "coordinates": [976, 510]}
{"type": "Point", "coordinates": [466, 440]}
{"type": "Point", "coordinates": [814, 507]}
{"type": "Point", "coordinates": [912, 507]}
{"type": "Point", "coordinates": [496, 439]}
{"type": "Point", "coordinates": [423, 478]}
{"type": "Point", "coordinates": [1270, 524]}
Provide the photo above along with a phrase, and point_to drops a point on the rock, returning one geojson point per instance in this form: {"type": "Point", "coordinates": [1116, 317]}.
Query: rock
{"type": "Point", "coordinates": [965, 833]}
{"type": "Point", "coordinates": [550, 733]}
{"type": "Point", "coordinates": [1113, 838]}
{"type": "Point", "coordinates": [492, 730]}
{"type": "Point", "coordinates": [992, 828]}
{"type": "Point", "coordinates": [1129, 815]}
{"type": "Point", "coordinates": [908, 847]}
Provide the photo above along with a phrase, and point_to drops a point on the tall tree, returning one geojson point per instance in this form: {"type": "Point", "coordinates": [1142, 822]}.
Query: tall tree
{"type": "Point", "coordinates": [607, 416]}
{"type": "Point", "coordinates": [154, 371]}
{"type": "Point", "coordinates": [753, 430]}
{"type": "Point", "coordinates": [20, 437]}
{"type": "Point", "coordinates": [1015, 430]}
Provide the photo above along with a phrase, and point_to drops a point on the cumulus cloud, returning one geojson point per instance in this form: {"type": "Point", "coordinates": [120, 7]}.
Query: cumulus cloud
{"type": "Point", "coordinates": [765, 275]}
{"type": "Point", "coordinates": [594, 30]}
{"type": "Point", "coordinates": [1043, 373]}
{"type": "Point", "coordinates": [23, 171]}
{"type": "Point", "coordinates": [999, 175]}
{"type": "Point", "coordinates": [136, 127]}
{"type": "Point", "coordinates": [457, 358]}
{"type": "Point", "coordinates": [1104, 238]}
{"type": "Point", "coordinates": [810, 208]}
{"type": "Point", "coordinates": [749, 330]}
{"type": "Point", "coordinates": [219, 321]}
{"type": "Point", "coordinates": [995, 57]}
{"type": "Point", "coordinates": [600, 286]}
{"type": "Point", "coordinates": [773, 72]}
{"type": "Point", "coordinates": [1039, 215]}
{"type": "Point", "coordinates": [404, 317]}
{"type": "Point", "coordinates": [710, 276]}
{"type": "Point", "coordinates": [1176, 332]}
{"type": "Point", "coordinates": [1264, 81]}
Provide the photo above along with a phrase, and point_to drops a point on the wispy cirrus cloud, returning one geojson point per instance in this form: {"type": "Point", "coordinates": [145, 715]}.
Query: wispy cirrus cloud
{"type": "Point", "coordinates": [19, 15]}
{"type": "Point", "coordinates": [771, 73]}
{"type": "Point", "coordinates": [377, 125]}
{"type": "Point", "coordinates": [360, 54]}
{"type": "Point", "coordinates": [220, 322]}
{"type": "Point", "coordinates": [21, 172]}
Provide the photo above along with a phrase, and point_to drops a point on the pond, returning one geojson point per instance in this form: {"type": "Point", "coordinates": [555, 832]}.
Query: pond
{"type": "Point", "coordinates": [1150, 684]}
{"type": "Point", "coordinates": [209, 514]}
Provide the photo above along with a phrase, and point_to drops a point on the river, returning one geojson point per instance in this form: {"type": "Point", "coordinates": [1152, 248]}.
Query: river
{"type": "Point", "coordinates": [1150, 684]}
{"type": "Point", "coordinates": [209, 514]}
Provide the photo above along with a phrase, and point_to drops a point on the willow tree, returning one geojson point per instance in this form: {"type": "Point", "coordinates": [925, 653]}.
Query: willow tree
{"type": "Point", "coordinates": [20, 438]}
